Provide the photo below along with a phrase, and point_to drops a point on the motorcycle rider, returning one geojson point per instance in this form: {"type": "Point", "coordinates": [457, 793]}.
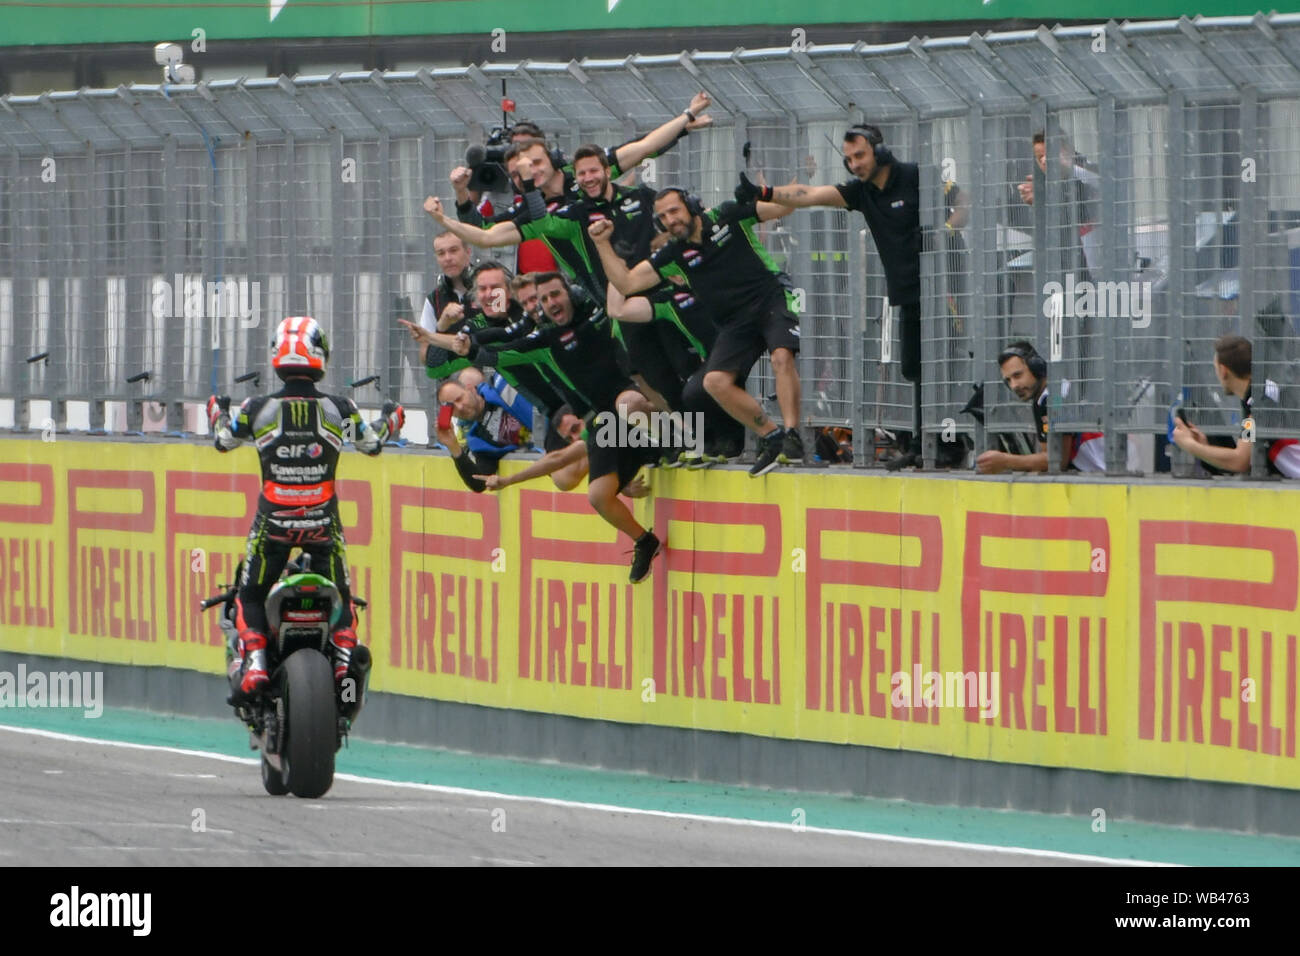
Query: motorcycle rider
{"type": "Point", "coordinates": [299, 433]}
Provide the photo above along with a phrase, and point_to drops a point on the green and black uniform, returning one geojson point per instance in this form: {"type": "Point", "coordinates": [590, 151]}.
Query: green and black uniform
{"type": "Point", "coordinates": [665, 352]}
{"type": "Point", "coordinates": [471, 213]}
{"type": "Point", "coordinates": [735, 278]}
{"type": "Point", "coordinates": [567, 239]}
{"type": "Point", "coordinates": [596, 365]}
{"type": "Point", "coordinates": [541, 383]}
{"type": "Point", "coordinates": [591, 363]}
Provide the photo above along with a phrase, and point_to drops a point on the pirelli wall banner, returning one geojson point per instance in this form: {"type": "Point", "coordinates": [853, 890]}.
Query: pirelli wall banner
{"type": "Point", "coordinates": [1146, 629]}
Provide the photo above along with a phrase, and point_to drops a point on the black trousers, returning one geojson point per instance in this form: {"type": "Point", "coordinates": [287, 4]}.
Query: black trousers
{"type": "Point", "coordinates": [909, 333]}
{"type": "Point", "coordinates": [276, 531]}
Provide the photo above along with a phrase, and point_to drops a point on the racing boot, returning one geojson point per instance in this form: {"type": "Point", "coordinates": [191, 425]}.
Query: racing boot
{"type": "Point", "coordinates": [253, 647]}
{"type": "Point", "coordinates": [344, 641]}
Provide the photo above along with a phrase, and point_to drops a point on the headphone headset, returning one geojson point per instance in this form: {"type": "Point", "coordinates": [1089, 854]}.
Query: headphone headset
{"type": "Point", "coordinates": [873, 136]}
{"type": "Point", "coordinates": [692, 202]}
{"type": "Point", "coordinates": [531, 129]}
{"type": "Point", "coordinates": [1036, 364]}
{"type": "Point", "coordinates": [582, 299]}
{"type": "Point", "coordinates": [579, 296]}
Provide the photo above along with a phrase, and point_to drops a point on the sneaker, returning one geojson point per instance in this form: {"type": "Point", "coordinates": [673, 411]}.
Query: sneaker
{"type": "Point", "coordinates": [724, 451]}
{"type": "Point", "coordinates": [791, 448]}
{"type": "Point", "coordinates": [769, 453]}
{"type": "Point", "coordinates": [700, 462]}
{"type": "Point", "coordinates": [643, 552]}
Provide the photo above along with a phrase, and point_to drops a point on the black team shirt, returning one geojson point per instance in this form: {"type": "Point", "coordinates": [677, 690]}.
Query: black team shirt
{"type": "Point", "coordinates": [729, 269]}
{"type": "Point", "coordinates": [893, 214]}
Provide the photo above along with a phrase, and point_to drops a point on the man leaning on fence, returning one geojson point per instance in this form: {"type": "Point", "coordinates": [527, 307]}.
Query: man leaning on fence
{"type": "Point", "coordinates": [1233, 368]}
{"type": "Point", "coordinates": [888, 194]}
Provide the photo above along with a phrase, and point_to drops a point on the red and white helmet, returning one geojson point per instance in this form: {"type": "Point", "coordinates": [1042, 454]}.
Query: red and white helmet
{"type": "Point", "coordinates": [300, 348]}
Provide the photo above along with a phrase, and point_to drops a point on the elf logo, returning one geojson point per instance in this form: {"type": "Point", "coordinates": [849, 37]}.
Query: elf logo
{"type": "Point", "coordinates": [76, 909]}
{"type": "Point", "coordinates": [297, 451]}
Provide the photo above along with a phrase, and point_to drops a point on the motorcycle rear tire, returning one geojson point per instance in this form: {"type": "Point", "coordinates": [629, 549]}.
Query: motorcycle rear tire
{"type": "Point", "coordinates": [272, 780]}
{"type": "Point", "coordinates": [310, 732]}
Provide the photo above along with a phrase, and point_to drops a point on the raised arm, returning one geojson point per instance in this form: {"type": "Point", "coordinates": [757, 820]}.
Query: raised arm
{"type": "Point", "coordinates": [770, 210]}
{"type": "Point", "coordinates": [656, 141]}
{"type": "Point", "coordinates": [502, 234]}
{"type": "Point", "coordinates": [640, 277]}
{"type": "Point", "coordinates": [637, 309]}
{"type": "Point", "coordinates": [795, 195]}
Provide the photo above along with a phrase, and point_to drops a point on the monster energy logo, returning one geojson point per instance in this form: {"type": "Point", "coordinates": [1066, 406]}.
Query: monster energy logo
{"type": "Point", "coordinates": [298, 414]}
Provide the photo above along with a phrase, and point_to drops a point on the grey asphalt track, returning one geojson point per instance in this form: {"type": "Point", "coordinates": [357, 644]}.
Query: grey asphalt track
{"type": "Point", "coordinates": [74, 803]}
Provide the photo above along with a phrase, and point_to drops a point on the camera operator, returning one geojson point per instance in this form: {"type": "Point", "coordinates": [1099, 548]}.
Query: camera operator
{"type": "Point", "coordinates": [558, 179]}
{"type": "Point", "coordinates": [621, 158]}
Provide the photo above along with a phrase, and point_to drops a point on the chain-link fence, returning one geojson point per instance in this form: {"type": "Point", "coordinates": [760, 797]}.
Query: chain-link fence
{"type": "Point", "coordinates": [150, 237]}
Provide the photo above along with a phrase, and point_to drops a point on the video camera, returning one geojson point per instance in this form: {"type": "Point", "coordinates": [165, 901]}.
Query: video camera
{"type": "Point", "coordinates": [487, 163]}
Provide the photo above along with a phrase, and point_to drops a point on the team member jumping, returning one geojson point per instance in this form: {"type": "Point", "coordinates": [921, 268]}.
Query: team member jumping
{"type": "Point", "coordinates": [719, 253]}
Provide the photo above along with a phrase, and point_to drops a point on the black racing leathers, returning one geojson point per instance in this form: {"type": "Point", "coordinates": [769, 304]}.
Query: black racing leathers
{"type": "Point", "coordinates": [299, 433]}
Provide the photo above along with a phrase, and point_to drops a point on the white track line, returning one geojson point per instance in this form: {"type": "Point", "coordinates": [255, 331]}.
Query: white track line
{"type": "Point", "coordinates": [609, 808]}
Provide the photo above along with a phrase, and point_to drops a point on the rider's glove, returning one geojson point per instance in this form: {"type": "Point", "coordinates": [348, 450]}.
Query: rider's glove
{"type": "Point", "coordinates": [747, 191]}
{"type": "Point", "coordinates": [394, 417]}
{"type": "Point", "coordinates": [218, 405]}
{"type": "Point", "coordinates": [219, 421]}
